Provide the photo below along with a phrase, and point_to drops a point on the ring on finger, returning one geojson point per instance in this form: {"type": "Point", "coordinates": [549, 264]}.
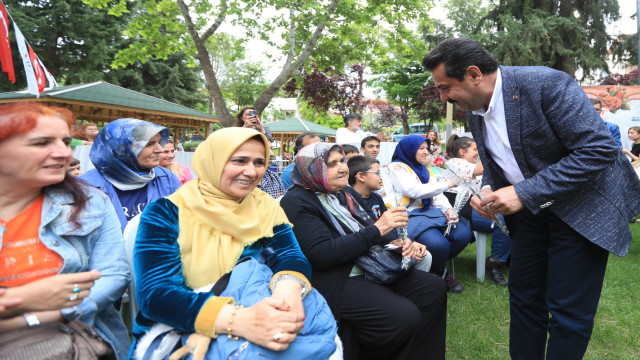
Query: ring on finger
{"type": "Point", "coordinates": [76, 288]}
{"type": "Point", "coordinates": [488, 207]}
{"type": "Point", "coordinates": [73, 297]}
{"type": "Point", "coordinates": [277, 336]}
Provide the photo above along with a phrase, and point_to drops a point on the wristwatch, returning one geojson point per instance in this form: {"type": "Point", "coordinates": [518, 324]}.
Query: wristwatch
{"type": "Point", "coordinates": [31, 318]}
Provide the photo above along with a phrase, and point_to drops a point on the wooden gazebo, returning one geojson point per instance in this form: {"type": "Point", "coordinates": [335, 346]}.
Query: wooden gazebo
{"type": "Point", "coordinates": [101, 102]}
{"type": "Point", "coordinates": [286, 131]}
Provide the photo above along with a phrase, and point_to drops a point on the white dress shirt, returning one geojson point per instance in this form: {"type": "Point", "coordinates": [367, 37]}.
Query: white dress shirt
{"type": "Point", "coordinates": [345, 136]}
{"type": "Point", "coordinates": [496, 138]}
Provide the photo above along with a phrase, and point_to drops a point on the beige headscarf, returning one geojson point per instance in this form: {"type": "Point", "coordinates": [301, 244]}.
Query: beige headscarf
{"type": "Point", "coordinates": [216, 227]}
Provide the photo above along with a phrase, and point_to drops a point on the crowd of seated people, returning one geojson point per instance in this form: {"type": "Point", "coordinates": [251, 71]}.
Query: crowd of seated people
{"type": "Point", "coordinates": [333, 228]}
{"type": "Point", "coordinates": [429, 209]}
{"type": "Point", "coordinates": [221, 267]}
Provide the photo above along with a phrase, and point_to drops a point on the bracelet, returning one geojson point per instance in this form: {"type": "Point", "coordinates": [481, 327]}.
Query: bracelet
{"type": "Point", "coordinates": [233, 313]}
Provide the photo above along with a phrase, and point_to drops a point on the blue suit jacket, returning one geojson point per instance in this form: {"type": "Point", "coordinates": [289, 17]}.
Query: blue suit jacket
{"type": "Point", "coordinates": [565, 152]}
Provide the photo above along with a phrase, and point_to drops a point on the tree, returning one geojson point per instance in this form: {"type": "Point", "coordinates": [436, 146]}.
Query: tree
{"type": "Point", "coordinates": [324, 118]}
{"type": "Point", "coordinates": [625, 49]}
{"type": "Point", "coordinates": [334, 29]}
{"type": "Point", "coordinates": [622, 79]}
{"type": "Point", "coordinates": [391, 114]}
{"type": "Point", "coordinates": [244, 83]}
{"type": "Point", "coordinates": [76, 43]}
{"type": "Point", "coordinates": [330, 90]}
{"type": "Point", "coordinates": [403, 85]}
{"type": "Point", "coordinates": [172, 80]}
{"type": "Point", "coordinates": [562, 34]}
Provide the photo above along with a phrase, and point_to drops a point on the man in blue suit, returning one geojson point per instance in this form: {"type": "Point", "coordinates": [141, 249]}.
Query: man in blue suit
{"type": "Point", "coordinates": [552, 167]}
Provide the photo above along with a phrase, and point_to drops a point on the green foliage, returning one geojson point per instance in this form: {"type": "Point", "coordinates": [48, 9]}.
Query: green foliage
{"type": "Point", "coordinates": [336, 32]}
{"type": "Point", "coordinates": [565, 34]}
{"type": "Point", "coordinates": [403, 84]}
{"type": "Point", "coordinates": [243, 83]}
{"type": "Point", "coordinates": [172, 80]}
{"type": "Point", "coordinates": [625, 49]}
{"type": "Point", "coordinates": [324, 118]}
{"type": "Point", "coordinates": [74, 41]}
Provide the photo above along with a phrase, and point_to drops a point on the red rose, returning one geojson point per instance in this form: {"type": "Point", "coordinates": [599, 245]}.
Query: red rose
{"type": "Point", "coordinates": [438, 161]}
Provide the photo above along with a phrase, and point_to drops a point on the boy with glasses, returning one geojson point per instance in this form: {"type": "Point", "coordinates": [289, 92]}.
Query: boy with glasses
{"type": "Point", "coordinates": [365, 179]}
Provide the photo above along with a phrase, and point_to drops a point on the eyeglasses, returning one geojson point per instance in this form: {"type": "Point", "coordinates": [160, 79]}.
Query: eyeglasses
{"type": "Point", "coordinates": [371, 172]}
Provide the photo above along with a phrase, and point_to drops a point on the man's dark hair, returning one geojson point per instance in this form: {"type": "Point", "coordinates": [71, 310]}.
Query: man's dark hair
{"type": "Point", "coordinates": [350, 148]}
{"type": "Point", "coordinates": [358, 164]}
{"type": "Point", "coordinates": [350, 117]}
{"type": "Point", "coordinates": [369, 138]}
{"type": "Point", "coordinates": [457, 55]}
{"type": "Point", "coordinates": [299, 139]}
{"type": "Point", "coordinates": [595, 101]}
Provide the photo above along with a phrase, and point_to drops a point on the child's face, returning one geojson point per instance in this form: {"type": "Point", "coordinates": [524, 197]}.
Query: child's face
{"type": "Point", "coordinates": [74, 170]}
{"type": "Point", "coordinates": [372, 180]}
{"type": "Point", "coordinates": [633, 135]}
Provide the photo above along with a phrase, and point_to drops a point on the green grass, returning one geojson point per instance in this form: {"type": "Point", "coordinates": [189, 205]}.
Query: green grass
{"type": "Point", "coordinates": [478, 319]}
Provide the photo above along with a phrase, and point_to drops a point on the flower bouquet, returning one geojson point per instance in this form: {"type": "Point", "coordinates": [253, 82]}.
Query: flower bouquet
{"type": "Point", "coordinates": [395, 197]}
{"type": "Point", "coordinates": [464, 192]}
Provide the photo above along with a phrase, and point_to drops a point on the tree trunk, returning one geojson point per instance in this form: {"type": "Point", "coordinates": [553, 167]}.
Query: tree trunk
{"type": "Point", "coordinates": [405, 121]}
{"type": "Point", "coordinates": [222, 113]}
{"type": "Point", "coordinates": [290, 68]}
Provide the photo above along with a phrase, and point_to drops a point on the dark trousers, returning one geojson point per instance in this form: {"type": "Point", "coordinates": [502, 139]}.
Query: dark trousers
{"type": "Point", "coordinates": [404, 320]}
{"type": "Point", "coordinates": [555, 281]}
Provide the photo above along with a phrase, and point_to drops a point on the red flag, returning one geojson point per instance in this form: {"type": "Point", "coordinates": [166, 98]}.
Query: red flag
{"type": "Point", "coordinates": [5, 47]}
{"type": "Point", "coordinates": [37, 68]}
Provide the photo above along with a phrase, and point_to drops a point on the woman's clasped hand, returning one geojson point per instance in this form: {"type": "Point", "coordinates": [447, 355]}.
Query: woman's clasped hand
{"type": "Point", "coordinates": [393, 218]}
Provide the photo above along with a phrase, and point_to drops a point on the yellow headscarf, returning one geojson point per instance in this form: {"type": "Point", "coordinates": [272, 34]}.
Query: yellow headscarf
{"type": "Point", "coordinates": [216, 227]}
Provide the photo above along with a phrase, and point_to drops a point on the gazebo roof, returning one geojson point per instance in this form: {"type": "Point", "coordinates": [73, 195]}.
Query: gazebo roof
{"type": "Point", "coordinates": [298, 125]}
{"type": "Point", "coordinates": [104, 102]}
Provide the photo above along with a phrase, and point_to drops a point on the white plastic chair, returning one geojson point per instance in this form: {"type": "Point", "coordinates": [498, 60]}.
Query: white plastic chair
{"type": "Point", "coordinates": [129, 235]}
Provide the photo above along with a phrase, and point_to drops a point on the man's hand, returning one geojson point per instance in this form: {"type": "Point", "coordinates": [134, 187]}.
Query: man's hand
{"type": "Point", "coordinates": [476, 204]}
{"type": "Point", "coordinates": [504, 201]}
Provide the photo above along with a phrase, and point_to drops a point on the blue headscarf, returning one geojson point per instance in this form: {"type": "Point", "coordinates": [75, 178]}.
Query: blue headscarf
{"type": "Point", "coordinates": [115, 152]}
{"type": "Point", "coordinates": [406, 151]}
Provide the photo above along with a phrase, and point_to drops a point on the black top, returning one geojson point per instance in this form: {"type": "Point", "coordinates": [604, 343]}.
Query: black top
{"type": "Point", "coordinates": [635, 149]}
{"type": "Point", "coordinates": [331, 255]}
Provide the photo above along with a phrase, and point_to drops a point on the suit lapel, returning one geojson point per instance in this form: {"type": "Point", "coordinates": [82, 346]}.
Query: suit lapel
{"type": "Point", "coordinates": [512, 111]}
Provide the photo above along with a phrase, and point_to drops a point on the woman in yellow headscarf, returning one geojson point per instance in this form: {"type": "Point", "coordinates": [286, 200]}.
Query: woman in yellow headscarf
{"type": "Point", "coordinates": [193, 237]}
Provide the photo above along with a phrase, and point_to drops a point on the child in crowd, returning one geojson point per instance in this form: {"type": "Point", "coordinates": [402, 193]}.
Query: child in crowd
{"type": "Point", "coordinates": [74, 167]}
{"type": "Point", "coordinates": [435, 143]}
{"type": "Point", "coordinates": [350, 151]}
{"type": "Point", "coordinates": [634, 135]}
{"type": "Point", "coordinates": [370, 146]}
{"type": "Point", "coordinates": [463, 160]}
{"type": "Point", "coordinates": [365, 179]}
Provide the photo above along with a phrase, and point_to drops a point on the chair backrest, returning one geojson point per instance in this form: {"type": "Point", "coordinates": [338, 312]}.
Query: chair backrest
{"type": "Point", "coordinates": [129, 234]}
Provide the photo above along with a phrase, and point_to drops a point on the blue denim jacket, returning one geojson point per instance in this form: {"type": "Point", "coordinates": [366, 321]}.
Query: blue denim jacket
{"type": "Point", "coordinates": [96, 244]}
